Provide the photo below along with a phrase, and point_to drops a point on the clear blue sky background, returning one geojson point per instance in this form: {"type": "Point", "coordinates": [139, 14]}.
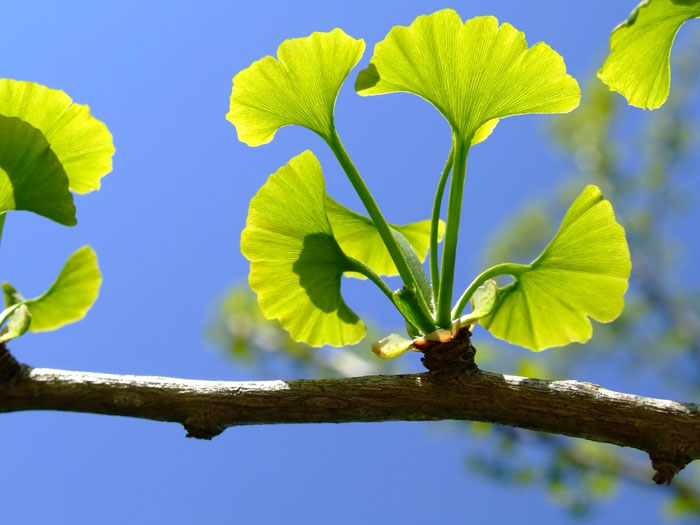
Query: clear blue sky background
{"type": "Point", "coordinates": [166, 227]}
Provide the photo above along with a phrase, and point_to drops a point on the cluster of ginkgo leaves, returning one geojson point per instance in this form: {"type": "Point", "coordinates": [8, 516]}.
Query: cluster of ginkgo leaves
{"type": "Point", "coordinates": [300, 241]}
{"type": "Point", "coordinates": [49, 147]}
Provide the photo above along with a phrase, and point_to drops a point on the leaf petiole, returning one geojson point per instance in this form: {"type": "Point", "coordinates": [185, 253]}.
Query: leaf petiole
{"type": "Point", "coordinates": [392, 245]}
{"type": "Point", "coordinates": [2, 223]}
{"type": "Point", "coordinates": [415, 319]}
{"type": "Point", "coordinates": [500, 269]}
{"type": "Point", "coordinates": [435, 224]}
{"type": "Point", "coordinates": [449, 250]}
{"type": "Point", "coordinates": [362, 268]}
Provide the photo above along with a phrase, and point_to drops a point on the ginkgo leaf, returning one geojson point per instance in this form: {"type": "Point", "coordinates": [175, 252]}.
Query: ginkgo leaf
{"type": "Point", "coordinates": [484, 302]}
{"type": "Point", "coordinates": [472, 72]}
{"type": "Point", "coordinates": [483, 132]}
{"type": "Point", "coordinates": [299, 87]}
{"type": "Point", "coordinates": [70, 296]}
{"type": "Point", "coordinates": [296, 264]}
{"type": "Point", "coordinates": [359, 238]}
{"type": "Point", "coordinates": [17, 324]}
{"type": "Point", "coordinates": [31, 176]}
{"type": "Point", "coordinates": [9, 310]}
{"type": "Point", "coordinates": [638, 66]}
{"type": "Point", "coordinates": [12, 298]}
{"type": "Point", "coordinates": [393, 345]}
{"type": "Point", "coordinates": [582, 272]}
{"type": "Point", "coordinates": [82, 143]}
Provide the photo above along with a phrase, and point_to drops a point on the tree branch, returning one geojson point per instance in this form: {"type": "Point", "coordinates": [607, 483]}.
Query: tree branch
{"type": "Point", "coordinates": [667, 430]}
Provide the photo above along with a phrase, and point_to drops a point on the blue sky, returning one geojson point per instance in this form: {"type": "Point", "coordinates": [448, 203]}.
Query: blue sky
{"type": "Point", "coordinates": [166, 227]}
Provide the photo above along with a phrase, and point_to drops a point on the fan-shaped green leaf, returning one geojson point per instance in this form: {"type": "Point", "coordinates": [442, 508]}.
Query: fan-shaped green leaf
{"type": "Point", "coordinates": [82, 143]}
{"type": "Point", "coordinates": [31, 176]}
{"type": "Point", "coordinates": [295, 262]}
{"type": "Point", "coordinates": [299, 87]}
{"type": "Point", "coordinates": [359, 238]}
{"type": "Point", "coordinates": [638, 66]}
{"type": "Point", "coordinates": [472, 72]}
{"type": "Point", "coordinates": [70, 296]}
{"type": "Point", "coordinates": [582, 272]}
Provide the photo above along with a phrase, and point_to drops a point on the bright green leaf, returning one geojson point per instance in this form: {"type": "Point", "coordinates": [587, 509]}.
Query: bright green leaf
{"type": "Point", "coordinates": [82, 143]}
{"type": "Point", "coordinates": [406, 301]}
{"type": "Point", "coordinates": [17, 324]}
{"type": "Point", "coordinates": [8, 311]}
{"type": "Point", "coordinates": [295, 262]}
{"type": "Point", "coordinates": [359, 238]}
{"type": "Point", "coordinates": [484, 302]}
{"type": "Point", "coordinates": [638, 66]}
{"type": "Point", "coordinates": [472, 72]}
{"type": "Point", "coordinates": [31, 176]}
{"type": "Point", "coordinates": [484, 131]}
{"type": "Point", "coordinates": [582, 272]}
{"type": "Point", "coordinates": [393, 345]}
{"type": "Point", "coordinates": [416, 267]}
{"type": "Point", "coordinates": [70, 296]}
{"type": "Point", "coordinates": [299, 87]}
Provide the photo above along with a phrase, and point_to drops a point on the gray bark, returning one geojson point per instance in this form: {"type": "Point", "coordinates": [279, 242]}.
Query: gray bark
{"type": "Point", "coordinates": [668, 431]}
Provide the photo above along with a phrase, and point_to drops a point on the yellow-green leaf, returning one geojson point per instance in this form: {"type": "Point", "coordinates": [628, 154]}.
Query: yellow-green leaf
{"type": "Point", "coordinates": [17, 324]}
{"type": "Point", "coordinates": [358, 238]}
{"type": "Point", "coordinates": [484, 302]}
{"type": "Point", "coordinates": [471, 72]}
{"type": "Point", "coordinates": [296, 264]}
{"type": "Point", "coordinates": [582, 272]}
{"type": "Point", "coordinates": [483, 132]}
{"type": "Point", "coordinates": [638, 66]}
{"type": "Point", "coordinates": [393, 345]}
{"type": "Point", "coordinates": [299, 87]}
{"type": "Point", "coordinates": [82, 143]}
{"type": "Point", "coordinates": [70, 296]}
{"type": "Point", "coordinates": [31, 176]}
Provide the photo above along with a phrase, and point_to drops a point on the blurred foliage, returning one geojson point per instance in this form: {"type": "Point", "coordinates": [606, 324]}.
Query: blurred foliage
{"type": "Point", "coordinates": [647, 165]}
{"type": "Point", "coordinates": [250, 339]}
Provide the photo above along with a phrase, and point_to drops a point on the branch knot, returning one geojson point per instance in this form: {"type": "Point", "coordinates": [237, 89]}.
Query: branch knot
{"type": "Point", "coordinates": [456, 355]}
{"type": "Point", "coordinates": [9, 366]}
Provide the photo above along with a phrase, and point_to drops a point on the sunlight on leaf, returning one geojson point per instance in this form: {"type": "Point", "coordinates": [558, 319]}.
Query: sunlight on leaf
{"type": "Point", "coordinates": [9, 308]}
{"type": "Point", "coordinates": [484, 131]}
{"type": "Point", "coordinates": [12, 297]}
{"type": "Point", "coordinates": [31, 176]}
{"type": "Point", "coordinates": [359, 238]}
{"type": "Point", "coordinates": [295, 262]}
{"type": "Point", "coordinates": [17, 324]}
{"type": "Point", "coordinates": [299, 87]}
{"type": "Point", "coordinates": [472, 72]}
{"type": "Point", "coordinates": [70, 296]}
{"type": "Point", "coordinates": [638, 66]}
{"type": "Point", "coordinates": [82, 143]}
{"type": "Point", "coordinates": [484, 301]}
{"type": "Point", "coordinates": [393, 345]}
{"type": "Point", "coordinates": [582, 272]}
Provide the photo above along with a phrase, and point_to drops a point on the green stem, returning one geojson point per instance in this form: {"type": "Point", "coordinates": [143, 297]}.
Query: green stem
{"type": "Point", "coordinates": [2, 223]}
{"type": "Point", "coordinates": [435, 224]}
{"type": "Point", "coordinates": [377, 218]}
{"type": "Point", "coordinates": [494, 271]}
{"type": "Point", "coordinates": [449, 249]}
{"type": "Point", "coordinates": [362, 268]}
